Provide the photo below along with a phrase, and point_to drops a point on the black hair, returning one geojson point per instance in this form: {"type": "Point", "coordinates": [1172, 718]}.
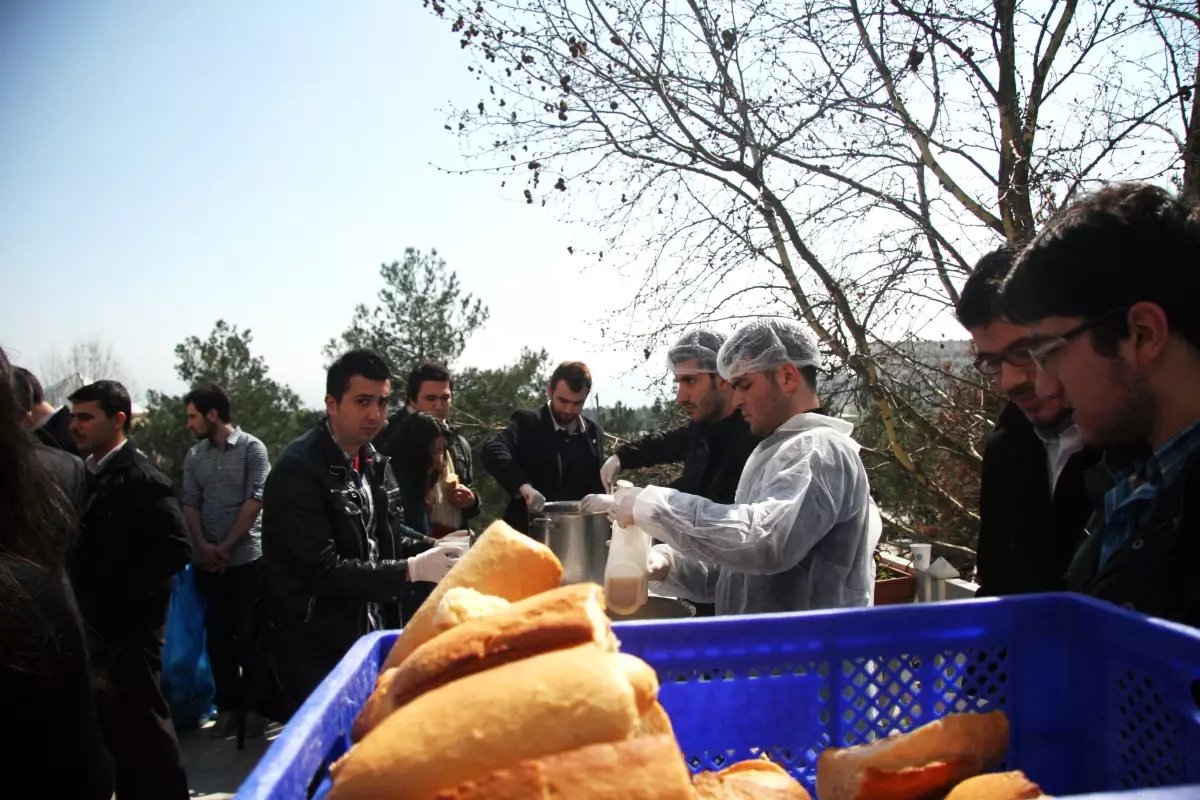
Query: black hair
{"type": "Point", "coordinates": [110, 396]}
{"type": "Point", "coordinates": [809, 374]}
{"type": "Point", "coordinates": [1124, 244]}
{"type": "Point", "coordinates": [428, 371]}
{"type": "Point", "coordinates": [366, 363]}
{"type": "Point", "coordinates": [28, 389]}
{"type": "Point", "coordinates": [208, 397]}
{"type": "Point", "coordinates": [575, 373]}
{"type": "Point", "coordinates": [413, 443]}
{"type": "Point", "coordinates": [979, 301]}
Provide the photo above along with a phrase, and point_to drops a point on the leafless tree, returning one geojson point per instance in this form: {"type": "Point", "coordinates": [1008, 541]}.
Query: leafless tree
{"type": "Point", "coordinates": [841, 162]}
{"type": "Point", "coordinates": [84, 361]}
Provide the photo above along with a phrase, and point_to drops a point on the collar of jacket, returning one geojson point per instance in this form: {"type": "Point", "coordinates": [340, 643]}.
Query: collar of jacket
{"type": "Point", "coordinates": [337, 457]}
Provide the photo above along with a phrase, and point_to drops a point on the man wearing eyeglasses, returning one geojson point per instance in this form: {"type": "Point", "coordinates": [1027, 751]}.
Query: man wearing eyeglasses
{"type": "Point", "coordinates": [1032, 502]}
{"type": "Point", "coordinates": [1108, 290]}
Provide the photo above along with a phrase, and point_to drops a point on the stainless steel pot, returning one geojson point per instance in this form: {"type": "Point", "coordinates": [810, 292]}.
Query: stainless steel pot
{"type": "Point", "coordinates": [657, 608]}
{"type": "Point", "coordinates": [579, 540]}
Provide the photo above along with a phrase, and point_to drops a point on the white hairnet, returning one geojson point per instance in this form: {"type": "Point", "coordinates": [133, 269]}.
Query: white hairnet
{"type": "Point", "coordinates": [767, 345]}
{"type": "Point", "coordinates": [701, 346]}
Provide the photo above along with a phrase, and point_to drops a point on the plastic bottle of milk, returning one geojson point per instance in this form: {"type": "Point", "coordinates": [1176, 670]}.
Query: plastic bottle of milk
{"type": "Point", "coordinates": [625, 575]}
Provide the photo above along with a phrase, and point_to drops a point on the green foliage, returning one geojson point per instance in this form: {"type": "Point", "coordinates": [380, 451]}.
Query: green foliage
{"type": "Point", "coordinates": [263, 407]}
{"type": "Point", "coordinates": [422, 315]}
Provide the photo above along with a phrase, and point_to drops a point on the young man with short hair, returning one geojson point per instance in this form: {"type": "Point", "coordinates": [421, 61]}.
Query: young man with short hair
{"type": "Point", "coordinates": [1032, 500]}
{"type": "Point", "coordinates": [133, 540]}
{"type": "Point", "coordinates": [223, 478]}
{"type": "Point", "coordinates": [551, 454]}
{"type": "Point", "coordinates": [338, 558]}
{"type": "Point", "coordinates": [1107, 290]}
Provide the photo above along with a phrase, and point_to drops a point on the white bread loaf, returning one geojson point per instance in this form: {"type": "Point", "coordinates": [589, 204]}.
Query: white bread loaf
{"type": "Point", "coordinates": [493, 720]}
{"type": "Point", "coordinates": [997, 786]}
{"type": "Point", "coordinates": [750, 780]}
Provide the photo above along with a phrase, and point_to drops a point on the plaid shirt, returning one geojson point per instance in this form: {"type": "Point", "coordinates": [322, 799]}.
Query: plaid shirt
{"type": "Point", "coordinates": [1127, 505]}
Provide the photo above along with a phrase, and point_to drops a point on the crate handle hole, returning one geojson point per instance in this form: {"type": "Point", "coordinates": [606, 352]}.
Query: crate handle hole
{"type": "Point", "coordinates": [1196, 692]}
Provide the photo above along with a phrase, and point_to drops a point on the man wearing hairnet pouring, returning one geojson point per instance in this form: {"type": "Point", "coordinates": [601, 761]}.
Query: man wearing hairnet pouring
{"type": "Point", "coordinates": [801, 532]}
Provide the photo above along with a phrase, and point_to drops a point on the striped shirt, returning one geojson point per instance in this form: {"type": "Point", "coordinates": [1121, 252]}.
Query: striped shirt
{"type": "Point", "coordinates": [218, 480]}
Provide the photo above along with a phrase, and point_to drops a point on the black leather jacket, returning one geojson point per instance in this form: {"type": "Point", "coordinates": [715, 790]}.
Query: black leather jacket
{"type": "Point", "coordinates": [316, 545]}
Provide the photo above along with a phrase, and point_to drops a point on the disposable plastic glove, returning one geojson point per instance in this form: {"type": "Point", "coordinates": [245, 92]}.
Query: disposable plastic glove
{"type": "Point", "coordinates": [622, 510]}
{"type": "Point", "coordinates": [609, 472]}
{"type": "Point", "coordinates": [534, 500]}
{"type": "Point", "coordinates": [434, 563]}
{"type": "Point", "coordinates": [597, 504]}
{"type": "Point", "coordinates": [657, 566]}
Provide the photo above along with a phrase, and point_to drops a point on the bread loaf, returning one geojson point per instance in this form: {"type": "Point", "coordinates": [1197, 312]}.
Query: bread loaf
{"type": "Point", "coordinates": [649, 768]}
{"type": "Point", "coordinates": [553, 620]}
{"type": "Point", "coordinates": [750, 780]}
{"type": "Point", "coordinates": [502, 563]}
{"type": "Point", "coordinates": [997, 786]}
{"type": "Point", "coordinates": [911, 766]}
{"type": "Point", "coordinates": [493, 720]}
{"type": "Point", "coordinates": [461, 604]}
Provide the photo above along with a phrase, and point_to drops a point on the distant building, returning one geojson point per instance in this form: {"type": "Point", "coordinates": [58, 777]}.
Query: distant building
{"type": "Point", "coordinates": [58, 392]}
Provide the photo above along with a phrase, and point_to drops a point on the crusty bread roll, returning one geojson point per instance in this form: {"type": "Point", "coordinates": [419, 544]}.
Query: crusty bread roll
{"type": "Point", "coordinates": [461, 604]}
{"type": "Point", "coordinates": [750, 780]}
{"type": "Point", "coordinates": [502, 563]}
{"type": "Point", "coordinates": [650, 768]}
{"type": "Point", "coordinates": [654, 722]}
{"type": "Point", "coordinates": [914, 765]}
{"type": "Point", "coordinates": [997, 786]}
{"type": "Point", "coordinates": [553, 620]}
{"type": "Point", "coordinates": [495, 719]}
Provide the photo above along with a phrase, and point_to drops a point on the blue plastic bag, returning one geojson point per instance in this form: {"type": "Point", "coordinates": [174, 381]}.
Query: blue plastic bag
{"type": "Point", "coordinates": [187, 679]}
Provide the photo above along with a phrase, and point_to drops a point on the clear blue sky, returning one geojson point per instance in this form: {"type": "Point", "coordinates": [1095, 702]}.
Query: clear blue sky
{"type": "Point", "coordinates": [163, 165]}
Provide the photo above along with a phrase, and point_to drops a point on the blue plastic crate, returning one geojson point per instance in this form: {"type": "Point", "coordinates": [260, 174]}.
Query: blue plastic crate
{"type": "Point", "coordinates": [1099, 699]}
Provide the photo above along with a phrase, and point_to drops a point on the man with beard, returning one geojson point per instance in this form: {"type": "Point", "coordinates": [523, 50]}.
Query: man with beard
{"type": "Point", "coordinates": [1107, 289]}
{"type": "Point", "coordinates": [713, 447]}
{"type": "Point", "coordinates": [132, 542]}
{"type": "Point", "coordinates": [801, 532]}
{"type": "Point", "coordinates": [1032, 500]}
{"type": "Point", "coordinates": [548, 455]}
{"type": "Point", "coordinates": [223, 478]}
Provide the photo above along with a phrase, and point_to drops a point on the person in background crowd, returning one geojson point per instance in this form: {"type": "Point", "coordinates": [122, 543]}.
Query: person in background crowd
{"type": "Point", "coordinates": [54, 732]}
{"type": "Point", "coordinates": [64, 467]}
{"type": "Point", "coordinates": [548, 455]}
{"type": "Point", "coordinates": [337, 563]}
{"type": "Point", "coordinates": [52, 425]}
{"type": "Point", "coordinates": [223, 478]}
{"type": "Point", "coordinates": [1033, 503]}
{"type": "Point", "coordinates": [1108, 290]}
{"type": "Point", "coordinates": [422, 467]}
{"type": "Point", "coordinates": [132, 543]}
{"type": "Point", "coordinates": [713, 447]}
{"type": "Point", "coordinates": [430, 390]}
{"type": "Point", "coordinates": [801, 533]}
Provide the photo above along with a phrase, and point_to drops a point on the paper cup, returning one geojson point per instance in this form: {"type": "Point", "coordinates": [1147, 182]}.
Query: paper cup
{"type": "Point", "coordinates": [921, 554]}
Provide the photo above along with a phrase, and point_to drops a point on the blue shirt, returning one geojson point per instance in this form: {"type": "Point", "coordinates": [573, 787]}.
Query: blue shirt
{"type": "Point", "coordinates": [1127, 505]}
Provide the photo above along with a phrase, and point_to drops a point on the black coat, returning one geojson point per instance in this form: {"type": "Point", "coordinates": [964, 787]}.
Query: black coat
{"type": "Point", "coordinates": [56, 431]}
{"type": "Point", "coordinates": [315, 546]}
{"type": "Point", "coordinates": [1027, 538]}
{"type": "Point", "coordinates": [1154, 571]}
{"type": "Point", "coordinates": [713, 455]}
{"type": "Point", "coordinates": [531, 450]}
{"type": "Point", "coordinates": [66, 471]}
{"type": "Point", "coordinates": [132, 542]}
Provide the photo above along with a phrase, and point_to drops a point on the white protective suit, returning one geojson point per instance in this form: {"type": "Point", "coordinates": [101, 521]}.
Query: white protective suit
{"type": "Point", "coordinates": [801, 535]}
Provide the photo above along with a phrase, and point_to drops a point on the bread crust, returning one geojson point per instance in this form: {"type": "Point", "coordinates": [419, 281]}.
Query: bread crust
{"type": "Point", "coordinates": [527, 709]}
{"type": "Point", "coordinates": [560, 618]}
{"type": "Point", "coordinates": [650, 768]}
{"type": "Point", "coordinates": [461, 604]}
{"type": "Point", "coordinates": [502, 563]}
{"type": "Point", "coordinates": [917, 764]}
{"type": "Point", "coordinates": [750, 780]}
{"type": "Point", "coordinates": [997, 786]}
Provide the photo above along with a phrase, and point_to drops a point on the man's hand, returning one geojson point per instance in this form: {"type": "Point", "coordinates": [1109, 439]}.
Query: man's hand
{"type": "Point", "coordinates": [657, 566]}
{"type": "Point", "coordinates": [211, 557]}
{"type": "Point", "coordinates": [609, 473]}
{"type": "Point", "coordinates": [462, 497]}
{"type": "Point", "coordinates": [597, 504]}
{"type": "Point", "coordinates": [434, 563]}
{"type": "Point", "coordinates": [535, 501]}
